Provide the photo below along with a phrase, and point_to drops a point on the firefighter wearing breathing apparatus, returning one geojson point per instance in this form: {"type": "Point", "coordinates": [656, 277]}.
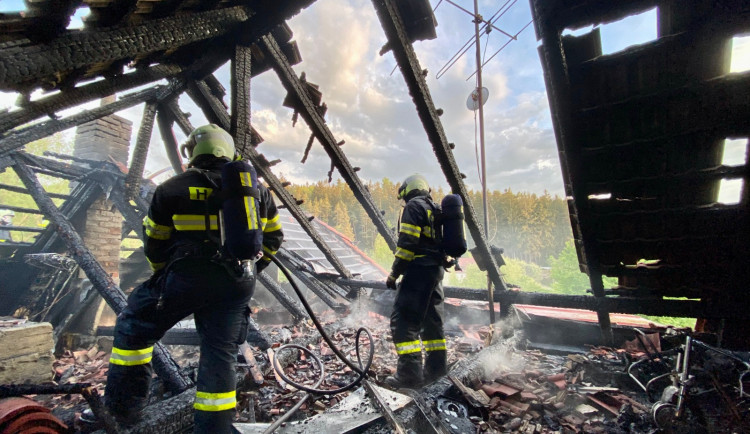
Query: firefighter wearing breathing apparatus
{"type": "Point", "coordinates": [417, 317]}
{"type": "Point", "coordinates": [194, 273]}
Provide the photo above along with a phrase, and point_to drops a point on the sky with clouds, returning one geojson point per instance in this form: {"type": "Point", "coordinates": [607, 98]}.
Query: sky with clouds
{"type": "Point", "coordinates": [369, 106]}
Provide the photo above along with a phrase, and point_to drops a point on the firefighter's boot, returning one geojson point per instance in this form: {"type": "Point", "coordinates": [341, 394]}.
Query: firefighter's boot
{"type": "Point", "coordinates": [435, 366]}
{"type": "Point", "coordinates": [408, 373]}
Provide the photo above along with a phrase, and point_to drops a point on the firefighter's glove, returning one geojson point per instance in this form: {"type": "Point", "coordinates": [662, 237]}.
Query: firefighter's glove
{"type": "Point", "coordinates": [448, 262]}
{"type": "Point", "coordinates": [390, 282]}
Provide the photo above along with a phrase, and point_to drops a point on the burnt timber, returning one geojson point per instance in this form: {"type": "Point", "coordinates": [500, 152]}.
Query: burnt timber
{"type": "Point", "coordinates": [644, 126]}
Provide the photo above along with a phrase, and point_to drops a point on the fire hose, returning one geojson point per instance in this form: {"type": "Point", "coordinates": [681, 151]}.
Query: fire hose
{"type": "Point", "coordinates": [358, 368]}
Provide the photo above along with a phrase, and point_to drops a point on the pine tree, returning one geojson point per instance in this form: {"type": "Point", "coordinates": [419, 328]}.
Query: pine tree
{"type": "Point", "coordinates": [341, 221]}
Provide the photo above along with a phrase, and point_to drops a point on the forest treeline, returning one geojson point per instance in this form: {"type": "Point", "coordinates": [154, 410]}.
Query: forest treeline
{"type": "Point", "coordinates": [528, 226]}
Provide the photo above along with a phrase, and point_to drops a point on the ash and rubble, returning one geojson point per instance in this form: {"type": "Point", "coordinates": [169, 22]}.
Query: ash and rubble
{"type": "Point", "coordinates": [506, 386]}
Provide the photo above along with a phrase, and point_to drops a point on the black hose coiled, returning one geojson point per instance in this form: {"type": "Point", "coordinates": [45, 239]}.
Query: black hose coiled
{"type": "Point", "coordinates": [314, 390]}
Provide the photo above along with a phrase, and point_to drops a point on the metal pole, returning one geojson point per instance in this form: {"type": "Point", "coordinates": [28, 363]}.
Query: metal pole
{"type": "Point", "coordinates": [477, 20]}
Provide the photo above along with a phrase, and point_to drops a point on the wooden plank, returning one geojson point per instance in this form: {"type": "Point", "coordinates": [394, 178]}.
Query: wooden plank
{"type": "Point", "coordinates": [282, 383]}
{"type": "Point", "coordinates": [252, 364]}
{"type": "Point", "coordinates": [26, 353]}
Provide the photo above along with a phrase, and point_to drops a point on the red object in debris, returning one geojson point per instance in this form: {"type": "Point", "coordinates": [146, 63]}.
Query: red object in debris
{"type": "Point", "coordinates": [586, 316]}
{"type": "Point", "coordinates": [558, 380]}
{"type": "Point", "coordinates": [22, 415]}
{"type": "Point", "coordinates": [651, 340]}
{"type": "Point", "coordinates": [515, 409]}
{"type": "Point", "coordinates": [503, 390]}
{"type": "Point", "coordinates": [606, 402]}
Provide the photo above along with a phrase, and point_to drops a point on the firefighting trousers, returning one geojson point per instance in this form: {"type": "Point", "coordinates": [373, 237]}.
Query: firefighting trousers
{"type": "Point", "coordinates": [417, 322]}
{"type": "Point", "coordinates": [219, 302]}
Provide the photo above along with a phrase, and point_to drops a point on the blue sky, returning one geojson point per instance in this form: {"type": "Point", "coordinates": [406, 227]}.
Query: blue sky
{"type": "Point", "coordinates": [371, 110]}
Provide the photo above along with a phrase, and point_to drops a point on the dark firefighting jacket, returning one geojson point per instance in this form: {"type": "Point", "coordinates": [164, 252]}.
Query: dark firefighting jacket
{"type": "Point", "coordinates": [183, 220]}
{"type": "Point", "coordinates": [418, 241]}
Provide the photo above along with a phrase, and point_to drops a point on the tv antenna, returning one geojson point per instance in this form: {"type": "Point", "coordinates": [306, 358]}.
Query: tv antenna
{"type": "Point", "coordinates": [478, 97]}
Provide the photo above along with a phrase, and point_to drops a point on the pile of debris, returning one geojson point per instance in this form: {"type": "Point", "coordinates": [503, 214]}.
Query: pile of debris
{"type": "Point", "coordinates": [266, 400]}
{"type": "Point", "coordinates": [577, 393]}
{"type": "Point", "coordinates": [510, 387]}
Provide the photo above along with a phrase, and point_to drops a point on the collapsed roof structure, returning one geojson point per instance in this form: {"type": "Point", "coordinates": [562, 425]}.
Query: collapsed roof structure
{"type": "Point", "coordinates": [644, 127]}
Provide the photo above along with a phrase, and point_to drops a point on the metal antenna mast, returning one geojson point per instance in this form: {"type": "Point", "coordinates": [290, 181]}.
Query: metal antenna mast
{"type": "Point", "coordinates": [480, 103]}
{"type": "Point", "coordinates": [479, 95]}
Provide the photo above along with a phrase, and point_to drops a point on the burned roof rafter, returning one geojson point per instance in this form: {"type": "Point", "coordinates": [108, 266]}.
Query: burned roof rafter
{"type": "Point", "coordinates": [314, 119]}
{"type": "Point", "coordinates": [102, 281]}
{"type": "Point", "coordinates": [18, 138]}
{"type": "Point", "coordinates": [142, 142]}
{"type": "Point", "coordinates": [23, 66]}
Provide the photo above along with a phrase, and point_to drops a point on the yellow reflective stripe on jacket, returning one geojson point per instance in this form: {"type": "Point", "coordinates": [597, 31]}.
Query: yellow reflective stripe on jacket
{"type": "Point", "coordinates": [250, 207]}
{"type": "Point", "coordinates": [194, 222]}
{"type": "Point", "coordinates": [408, 347]}
{"type": "Point", "coordinates": [131, 357]}
{"type": "Point", "coordinates": [408, 229]}
{"type": "Point", "coordinates": [200, 193]}
{"type": "Point", "coordinates": [268, 251]}
{"type": "Point", "coordinates": [434, 345]}
{"type": "Point", "coordinates": [428, 232]}
{"type": "Point", "coordinates": [215, 401]}
{"type": "Point", "coordinates": [271, 225]}
{"type": "Point", "coordinates": [155, 230]}
{"type": "Point", "coordinates": [406, 255]}
{"type": "Point", "coordinates": [155, 266]}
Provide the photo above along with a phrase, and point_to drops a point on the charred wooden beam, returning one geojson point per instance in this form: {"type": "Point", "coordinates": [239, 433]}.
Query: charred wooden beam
{"type": "Point", "coordinates": [579, 13]}
{"type": "Point", "coordinates": [213, 106]}
{"type": "Point", "coordinates": [138, 162]}
{"type": "Point", "coordinates": [215, 110]}
{"type": "Point", "coordinates": [629, 305]}
{"type": "Point", "coordinates": [9, 390]}
{"type": "Point", "coordinates": [133, 215]}
{"type": "Point", "coordinates": [382, 406]}
{"type": "Point", "coordinates": [81, 198]}
{"type": "Point", "coordinates": [109, 180]}
{"type": "Point", "coordinates": [252, 364]}
{"type": "Point", "coordinates": [164, 365]}
{"type": "Point", "coordinates": [17, 189]}
{"type": "Point", "coordinates": [54, 166]}
{"type": "Point", "coordinates": [20, 209]}
{"type": "Point", "coordinates": [260, 338]}
{"type": "Point", "coordinates": [662, 184]}
{"type": "Point", "coordinates": [16, 139]}
{"type": "Point", "coordinates": [239, 126]}
{"type": "Point", "coordinates": [309, 111]}
{"type": "Point", "coordinates": [79, 95]}
{"type": "Point", "coordinates": [172, 415]}
{"type": "Point", "coordinates": [165, 121]}
{"type": "Point", "coordinates": [180, 118]}
{"type": "Point", "coordinates": [560, 97]}
{"type": "Point", "coordinates": [190, 336]}
{"type": "Point", "coordinates": [298, 269]}
{"type": "Point", "coordinates": [23, 228]}
{"type": "Point", "coordinates": [52, 260]}
{"type": "Point", "coordinates": [291, 305]}
{"type": "Point", "coordinates": [406, 58]}
{"type": "Point", "coordinates": [22, 67]}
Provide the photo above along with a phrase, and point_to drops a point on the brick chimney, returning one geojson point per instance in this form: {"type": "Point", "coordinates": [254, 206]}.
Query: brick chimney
{"type": "Point", "coordinates": [105, 139]}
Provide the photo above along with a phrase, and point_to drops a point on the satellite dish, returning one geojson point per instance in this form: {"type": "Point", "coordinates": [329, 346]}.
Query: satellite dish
{"type": "Point", "coordinates": [472, 102]}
